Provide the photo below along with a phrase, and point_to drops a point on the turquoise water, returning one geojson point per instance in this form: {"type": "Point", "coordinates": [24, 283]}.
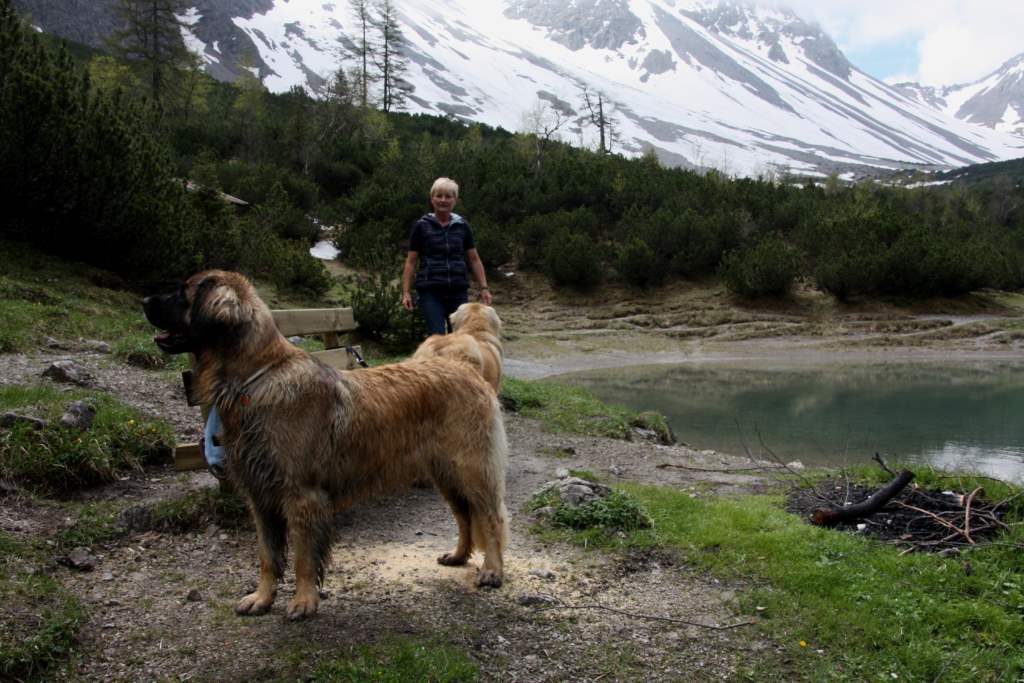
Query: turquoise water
{"type": "Point", "coordinates": [965, 416]}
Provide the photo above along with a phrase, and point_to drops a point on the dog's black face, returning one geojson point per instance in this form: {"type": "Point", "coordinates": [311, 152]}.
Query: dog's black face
{"type": "Point", "coordinates": [170, 312]}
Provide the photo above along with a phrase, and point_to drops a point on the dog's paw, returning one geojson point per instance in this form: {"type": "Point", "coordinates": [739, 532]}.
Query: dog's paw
{"type": "Point", "coordinates": [487, 578]}
{"type": "Point", "coordinates": [452, 559]}
{"type": "Point", "coordinates": [303, 606]}
{"type": "Point", "coordinates": [254, 604]}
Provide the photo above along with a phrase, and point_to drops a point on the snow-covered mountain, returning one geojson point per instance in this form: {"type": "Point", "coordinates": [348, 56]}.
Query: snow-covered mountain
{"type": "Point", "coordinates": [995, 101]}
{"type": "Point", "coordinates": [710, 83]}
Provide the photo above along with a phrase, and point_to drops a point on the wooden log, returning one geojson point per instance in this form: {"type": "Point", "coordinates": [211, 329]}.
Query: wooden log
{"type": "Point", "coordinates": [830, 517]}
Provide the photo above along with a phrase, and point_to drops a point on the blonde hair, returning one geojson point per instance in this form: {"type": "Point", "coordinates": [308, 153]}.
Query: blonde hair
{"type": "Point", "coordinates": [445, 185]}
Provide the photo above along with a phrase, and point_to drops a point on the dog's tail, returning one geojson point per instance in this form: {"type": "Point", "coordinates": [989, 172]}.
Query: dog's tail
{"type": "Point", "coordinates": [497, 465]}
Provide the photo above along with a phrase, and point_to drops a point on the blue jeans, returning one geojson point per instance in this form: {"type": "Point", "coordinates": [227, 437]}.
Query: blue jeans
{"type": "Point", "coordinates": [436, 306]}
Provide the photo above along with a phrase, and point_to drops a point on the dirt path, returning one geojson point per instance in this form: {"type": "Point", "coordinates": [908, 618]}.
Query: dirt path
{"type": "Point", "coordinates": [160, 605]}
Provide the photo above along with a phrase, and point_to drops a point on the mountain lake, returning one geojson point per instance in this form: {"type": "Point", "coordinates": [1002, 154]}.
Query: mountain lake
{"type": "Point", "coordinates": [963, 416]}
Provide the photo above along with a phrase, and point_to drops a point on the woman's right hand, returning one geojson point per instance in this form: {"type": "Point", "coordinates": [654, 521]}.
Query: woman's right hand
{"type": "Point", "coordinates": [407, 301]}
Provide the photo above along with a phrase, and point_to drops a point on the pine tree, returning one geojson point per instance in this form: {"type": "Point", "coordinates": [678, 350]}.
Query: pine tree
{"type": "Point", "coordinates": [391, 63]}
{"type": "Point", "coordinates": [152, 36]}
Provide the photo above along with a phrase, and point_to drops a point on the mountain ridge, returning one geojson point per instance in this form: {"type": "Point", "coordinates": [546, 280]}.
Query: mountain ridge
{"type": "Point", "coordinates": [699, 83]}
{"type": "Point", "coordinates": [995, 100]}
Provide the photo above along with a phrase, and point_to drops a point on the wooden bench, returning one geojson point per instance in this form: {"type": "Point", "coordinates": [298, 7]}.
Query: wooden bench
{"type": "Point", "coordinates": [329, 323]}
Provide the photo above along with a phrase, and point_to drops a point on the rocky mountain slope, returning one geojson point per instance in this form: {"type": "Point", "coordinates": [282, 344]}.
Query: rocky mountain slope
{"type": "Point", "coordinates": [995, 101]}
{"type": "Point", "coordinates": [705, 83]}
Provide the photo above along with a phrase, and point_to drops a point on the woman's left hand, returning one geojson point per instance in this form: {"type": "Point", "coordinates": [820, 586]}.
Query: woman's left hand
{"type": "Point", "coordinates": [485, 296]}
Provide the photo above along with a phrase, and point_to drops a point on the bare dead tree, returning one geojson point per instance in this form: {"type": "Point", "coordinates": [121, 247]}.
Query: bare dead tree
{"type": "Point", "coordinates": [542, 123]}
{"type": "Point", "coordinates": [361, 9]}
{"type": "Point", "coordinates": [597, 114]}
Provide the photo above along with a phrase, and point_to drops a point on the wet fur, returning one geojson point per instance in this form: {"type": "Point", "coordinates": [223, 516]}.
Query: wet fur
{"type": "Point", "coordinates": [475, 339]}
{"type": "Point", "coordinates": [303, 439]}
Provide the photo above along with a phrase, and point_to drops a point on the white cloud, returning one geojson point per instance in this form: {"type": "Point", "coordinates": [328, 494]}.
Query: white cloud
{"type": "Point", "coordinates": [955, 40]}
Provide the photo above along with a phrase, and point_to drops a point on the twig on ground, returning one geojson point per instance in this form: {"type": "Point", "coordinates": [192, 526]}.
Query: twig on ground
{"type": "Point", "coordinates": [967, 514]}
{"type": "Point", "coordinates": [665, 465]}
{"type": "Point", "coordinates": [940, 520]}
{"type": "Point", "coordinates": [806, 482]}
{"type": "Point", "coordinates": [562, 604]}
{"type": "Point", "coordinates": [881, 463]}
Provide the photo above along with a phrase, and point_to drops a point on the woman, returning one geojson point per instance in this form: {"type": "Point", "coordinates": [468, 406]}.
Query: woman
{"type": "Point", "coordinates": [442, 244]}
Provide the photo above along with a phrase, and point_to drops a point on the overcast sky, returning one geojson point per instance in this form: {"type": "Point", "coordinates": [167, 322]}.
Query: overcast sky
{"type": "Point", "coordinates": [935, 42]}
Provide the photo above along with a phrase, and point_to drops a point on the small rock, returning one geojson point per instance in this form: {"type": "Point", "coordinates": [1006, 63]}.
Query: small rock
{"type": "Point", "coordinates": [135, 518]}
{"type": "Point", "coordinates": [562, 472]}
{"type": "Point", "coordinates": [616, 470]}
{"type": "Point", "coordinates": [79, 415]}
{"type": "Point", "coordinates": [11, 419]}
{"type": "Point", "coordinates": [295, 340]}
{"type": "Point", "coordinates": [546, 511]}
{"type": "Point", "coordinates": [80, 559]}
{"type": "Point", "coordinates": [54, 343]}
{"type": "Point", "coordinates": [527, 599]}
{"type": "Point", "coordinates": [567, 450]}
{"type": "Point", "coordinates": [194, 595]}
{"type": "Point", "coordinates": [795, 465]}
{"type": "Point", "coordinates": [546, 574]}
{"type": "Point", "coordinates": [69, 372]}
{"type": "Point", "coordinates": [96, 345]}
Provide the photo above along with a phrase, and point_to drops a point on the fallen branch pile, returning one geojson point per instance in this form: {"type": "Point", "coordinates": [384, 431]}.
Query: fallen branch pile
{"type": "Point", "coordinates": [916, 518]}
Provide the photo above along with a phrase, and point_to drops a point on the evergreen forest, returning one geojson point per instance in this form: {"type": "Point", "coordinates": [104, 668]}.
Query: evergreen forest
{"type": "Point", "coordinates": [116, 160]}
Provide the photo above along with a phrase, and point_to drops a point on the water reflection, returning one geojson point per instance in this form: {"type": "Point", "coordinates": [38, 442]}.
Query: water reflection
{"type": "Point", "coordinates": [965, 416]}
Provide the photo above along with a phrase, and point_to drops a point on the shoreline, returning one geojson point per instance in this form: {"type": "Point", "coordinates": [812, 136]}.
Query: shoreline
{"type": "Point", "coordinates": [572, 362]}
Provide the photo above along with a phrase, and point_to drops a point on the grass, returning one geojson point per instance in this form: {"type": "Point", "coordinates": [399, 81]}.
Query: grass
{"type": "Point", "coordinates": [38, 618]}
{"type": "Point", "coordinates": [94, 523]}
{"type": "Point", "coordinates": [196, 509]}
{"type": "Point", "coordinates": [567, 409]}
{"type": "Point", "coordinates": [55, 459]}
{"type": "Point", "coordinates": [41, 296]}
{"type": "Point", "coordinates": [843, 607]}
{"type": "Point", "coordinates": [401, 661]}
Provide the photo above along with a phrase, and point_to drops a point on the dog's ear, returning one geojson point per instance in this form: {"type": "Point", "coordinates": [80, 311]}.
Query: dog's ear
{"type": "Point", "coordinates": [492, 315]}
{"type": "Point", "coordinates": [458, 315]}
{"type": "Point", "coordinates": [219, 309]}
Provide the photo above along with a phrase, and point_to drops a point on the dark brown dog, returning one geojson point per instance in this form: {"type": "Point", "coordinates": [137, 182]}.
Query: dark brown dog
{"type": "Point", "coordinates": [475, 339]}
{"type": "Point", "coordinates": [302, 438]}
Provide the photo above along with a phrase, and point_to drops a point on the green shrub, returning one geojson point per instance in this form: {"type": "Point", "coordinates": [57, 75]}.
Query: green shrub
{"type": "Point", "coordinates": [847, 271]}
{"type": "Point", "coordinates": [615, 512]}
{"type": "Point", "coordinates": [284, 218]}
{"type": "Point", "coordinates": [492, 242]}
{"type": "Point", "coordinates": [572, 259]}
{"type": "Point", "coordinates": [376, 304]}
{"type": "Point", "coordinates": [295, 270]}
{"type": "Point", "coordinates": [638, 265]}
{"type": "Point", "coordinates": [56, 459]}
{"type": "Point", "coordinates": [767, 268]}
